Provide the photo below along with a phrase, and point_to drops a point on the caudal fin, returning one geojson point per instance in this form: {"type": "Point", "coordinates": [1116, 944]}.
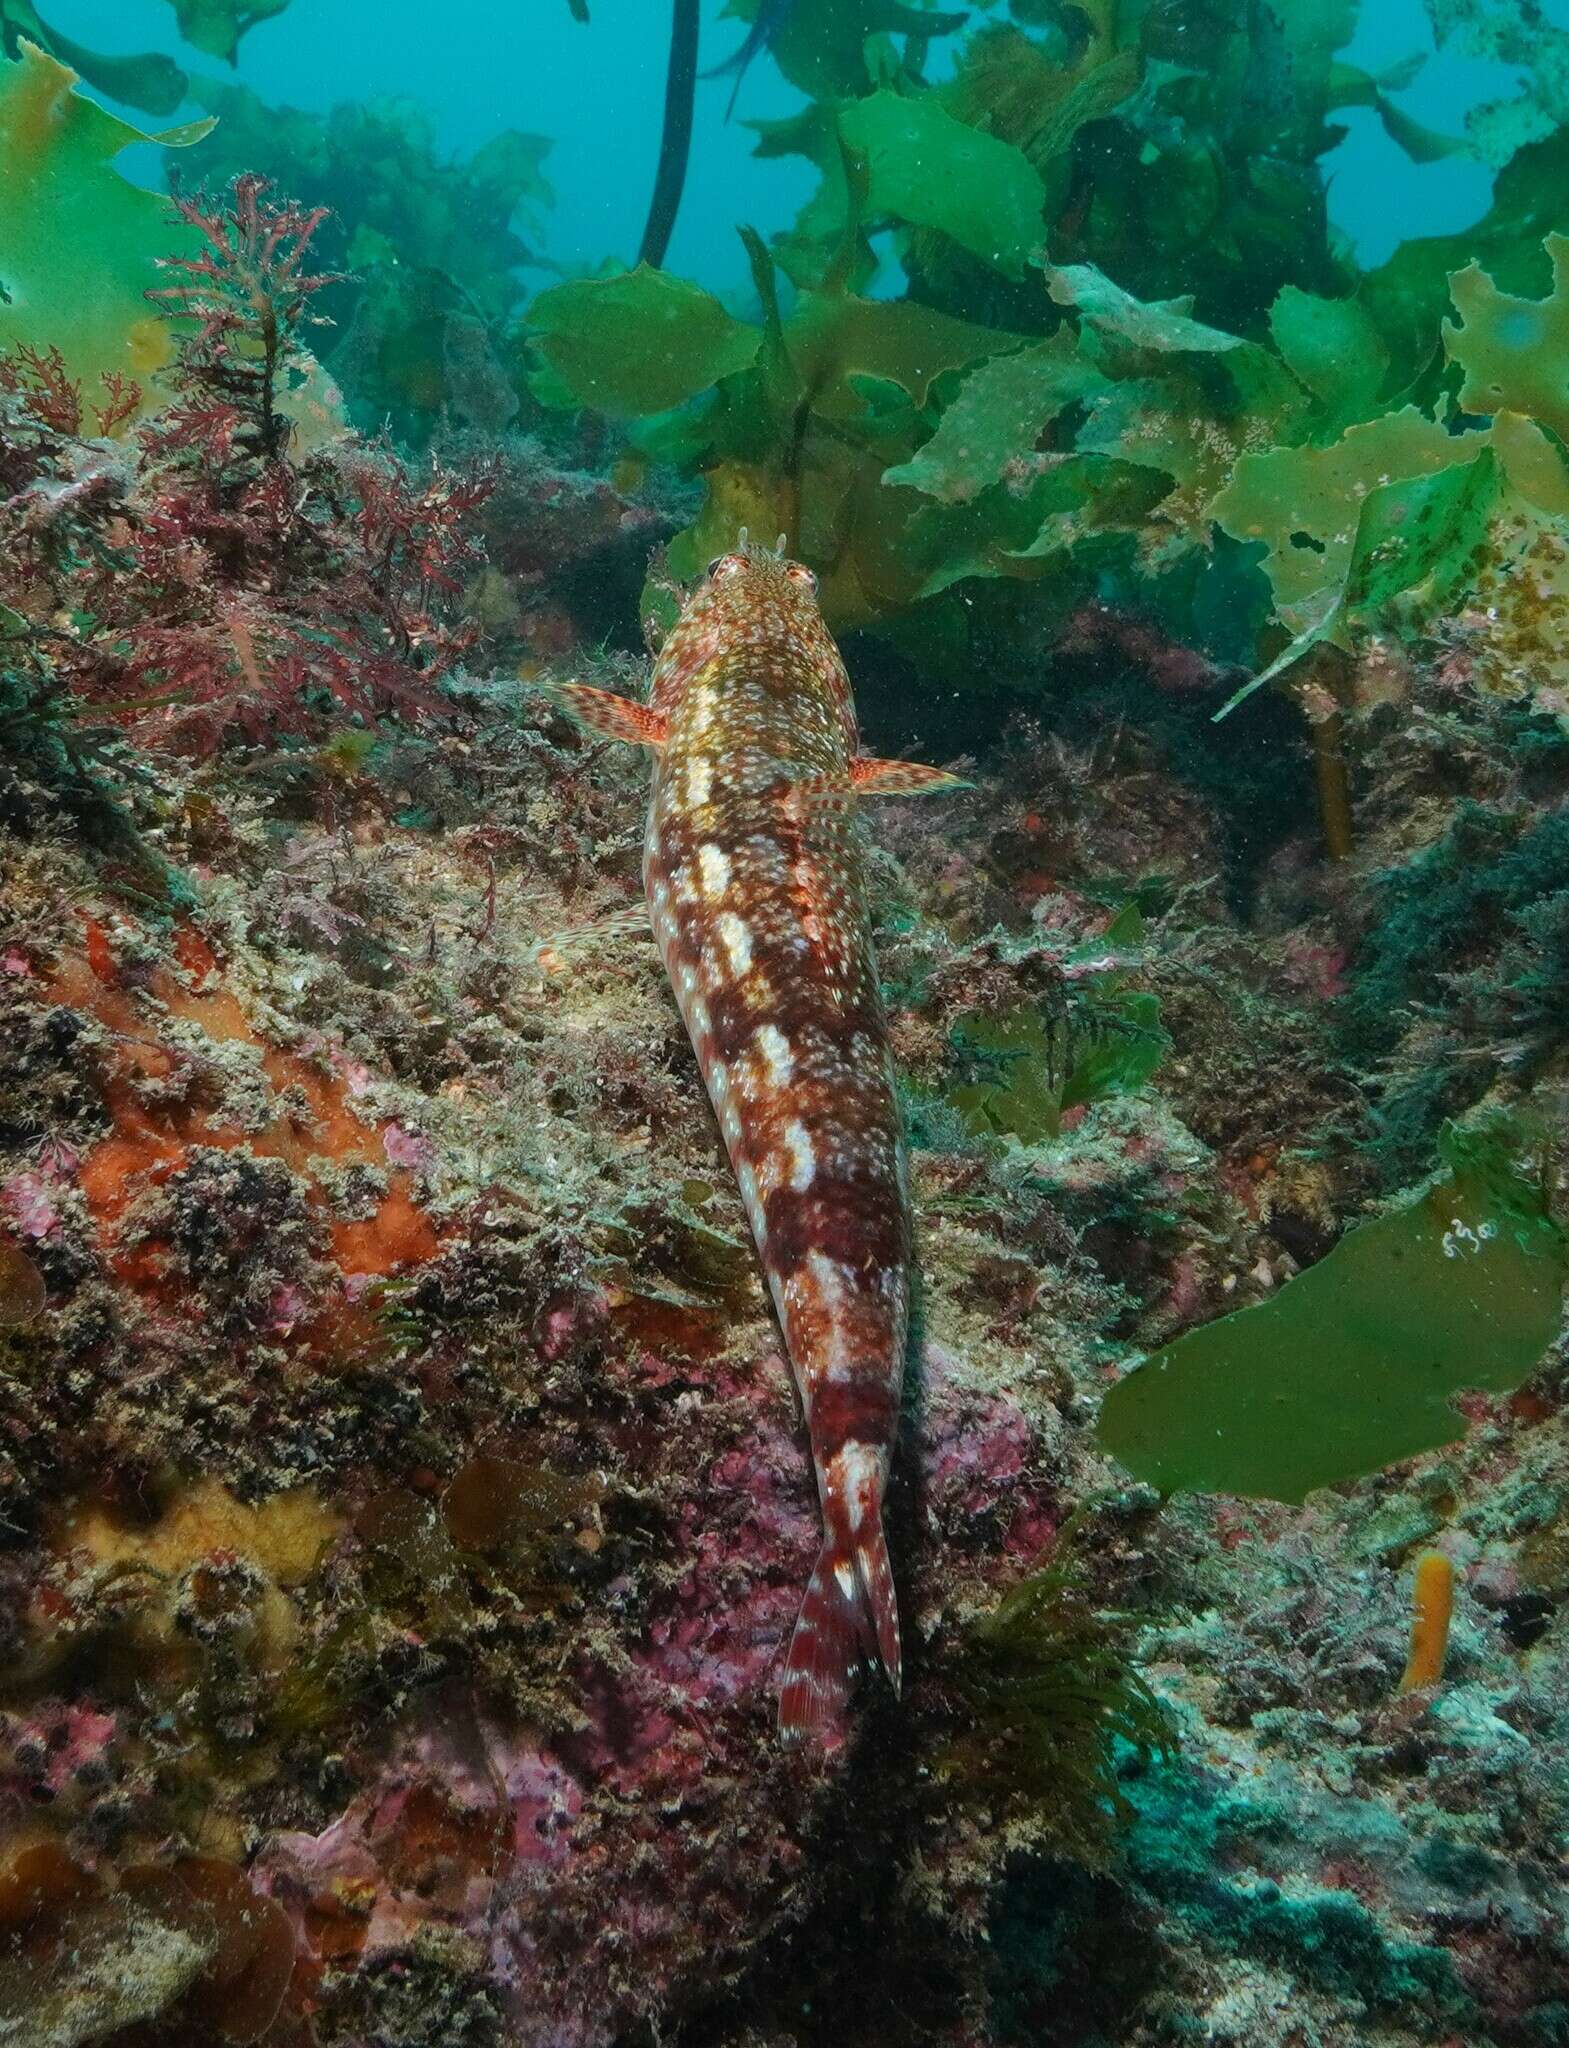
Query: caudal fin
{"type": "Point", "coordinates": [850, 1616]}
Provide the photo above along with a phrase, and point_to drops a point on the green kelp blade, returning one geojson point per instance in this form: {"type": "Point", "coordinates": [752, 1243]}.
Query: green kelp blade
{"type": "Point", "coordinates": [1514, 351]}
{"type": "Point", "coordinates": [79, 244]}
{"type": "Point", "coordinates": [997, 417]}
{"type": "Point", "coordinates": [639, 342]}
{"type": "Point", "coordinates": [821, 45]}
{"type": "Point", "coordinates": [935, 172]}
{"type": "Point", "coordinates": [1333, 346]}
{"type": "Point", "coordinates": [1421, 531]}
{"type": "Point", "coordinates": [216, 26]}
{"type": "Point", "coordinates": [1352, 1365]}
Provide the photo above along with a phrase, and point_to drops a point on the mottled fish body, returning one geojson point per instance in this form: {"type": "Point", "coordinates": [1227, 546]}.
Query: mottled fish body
{"type": "Point", "coordinates": [753, 869]}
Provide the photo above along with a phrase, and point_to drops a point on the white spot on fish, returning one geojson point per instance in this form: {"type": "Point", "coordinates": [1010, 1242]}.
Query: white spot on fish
{"type": "Point", "coordinates": [803, 1161]}
{"type": "Point", "coordinates": [859, 1468]}
{"type": "Point", "coordinates": [828, 1278]}
{"type": "Point", "coordinates": [714, 869]}
{"type": "Point", "coordinates": [777, 1056]}
{"type": "Point", "coordinates": [737, 942]}
{"type": "Point", "coordinates": [699, 779]}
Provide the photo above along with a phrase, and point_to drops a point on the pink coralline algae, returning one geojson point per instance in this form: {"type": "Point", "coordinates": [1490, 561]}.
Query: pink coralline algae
{"type": "Point", "coordinates": [410, 1149]}
{"type": "Point", "coordinates": [507, 1836]}
{"type": "Point", "coordinates": [712, 1644]}
{"type": "Point", "coordinates": [56, 1752]}
{"type": "Point", "coordinates": [980, 1460]}
{"type": "Point", "coordinates": [454, 1780]}
{"type": "Point", "coordinates": [30, 1198]}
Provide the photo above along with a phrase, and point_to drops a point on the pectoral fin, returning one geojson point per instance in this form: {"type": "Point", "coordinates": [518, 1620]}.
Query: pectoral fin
{"type": "Point", "coordinates": [602, 711]}
{"type": "Point", "coordinates": [870, 777]}
{"type": "Point", "coordinates": [555, 952]}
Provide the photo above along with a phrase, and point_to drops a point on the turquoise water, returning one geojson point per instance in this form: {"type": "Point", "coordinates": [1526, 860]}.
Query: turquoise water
{"type": "Point", "coordinates": [596, 90]}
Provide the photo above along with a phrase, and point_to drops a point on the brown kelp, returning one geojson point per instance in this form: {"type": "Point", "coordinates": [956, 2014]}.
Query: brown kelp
{"type": "Point", "coordinates": [675, 141]}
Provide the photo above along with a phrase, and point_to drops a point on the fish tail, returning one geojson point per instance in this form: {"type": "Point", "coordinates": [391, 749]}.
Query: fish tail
{"type": "Point", "coordinates": [849, 1616]}
{"type": "Point", "coordinates": [875, 1572]}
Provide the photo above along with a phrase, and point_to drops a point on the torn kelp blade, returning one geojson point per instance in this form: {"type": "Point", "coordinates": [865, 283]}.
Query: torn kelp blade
{"type": "Point", "coordinates": [1353, 1365]}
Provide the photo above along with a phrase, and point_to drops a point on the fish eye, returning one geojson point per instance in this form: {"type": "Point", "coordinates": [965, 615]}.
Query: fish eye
{"type": "Point", "coordinates": [799, 573]}
{"type": "Point", "coordinates": [725, 565]}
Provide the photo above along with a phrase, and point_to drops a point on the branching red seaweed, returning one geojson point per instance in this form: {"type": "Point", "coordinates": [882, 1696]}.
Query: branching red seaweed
{"type": "Point", "coordinates": [220, 576]}
{"type": "Point", "coordinates": [242, 304]}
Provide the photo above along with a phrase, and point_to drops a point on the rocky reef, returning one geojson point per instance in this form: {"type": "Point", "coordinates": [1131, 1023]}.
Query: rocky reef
{"type": "Point", "coordinates": [403, 1502]}
{"type": "Point", "coordinates": [406, 1506]}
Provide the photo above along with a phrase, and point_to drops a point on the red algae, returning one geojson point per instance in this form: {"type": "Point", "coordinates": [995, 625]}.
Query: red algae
{"type": "Point", "coordinates": [100, 954]}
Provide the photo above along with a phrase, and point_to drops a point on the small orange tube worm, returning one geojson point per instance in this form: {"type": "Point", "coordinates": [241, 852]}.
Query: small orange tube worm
{"type": "Point", "coordinates": [1433, 1605]}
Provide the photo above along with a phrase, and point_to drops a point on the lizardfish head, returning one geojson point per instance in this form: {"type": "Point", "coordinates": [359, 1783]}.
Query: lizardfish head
{"type": "Point", "coordinates": [754, 614]}
{"type": "Point", "coordinates": [752, 586]}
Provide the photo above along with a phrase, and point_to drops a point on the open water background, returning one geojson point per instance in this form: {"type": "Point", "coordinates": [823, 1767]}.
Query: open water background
{"type": "Point", "coordinates": [477, 66]}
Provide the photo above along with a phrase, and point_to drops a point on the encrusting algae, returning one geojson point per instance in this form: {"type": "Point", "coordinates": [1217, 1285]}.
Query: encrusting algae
{"type": "Point", "coordinates": [161, 1129]}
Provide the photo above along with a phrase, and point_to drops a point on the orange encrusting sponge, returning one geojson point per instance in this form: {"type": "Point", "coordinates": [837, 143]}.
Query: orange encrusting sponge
{"type": "Point", "coordinates": [151, 1141]}
{"type": "Point", "coordinates": [1433, 1605]}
